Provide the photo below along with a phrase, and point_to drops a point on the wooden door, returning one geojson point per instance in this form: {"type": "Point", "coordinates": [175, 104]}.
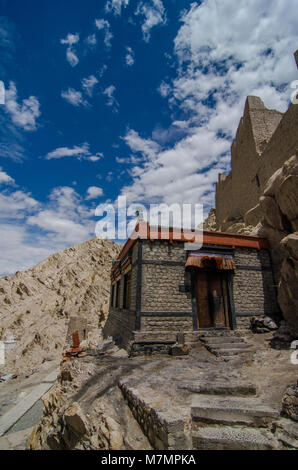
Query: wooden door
{"type": "Point", "coordinates": [217, 299]}
{"type": "Point", "coordinates": [202, 295]}
{"type": "Point", "coordinates": [212, 300]}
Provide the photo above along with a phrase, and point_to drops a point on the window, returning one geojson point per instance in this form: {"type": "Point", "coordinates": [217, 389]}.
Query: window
{"type": "Point", "coordinates": [118, 294]}
{"type": "Point", "coordinates": [112, 295]}
{"type": "Point", "coordinates": [126, 300]}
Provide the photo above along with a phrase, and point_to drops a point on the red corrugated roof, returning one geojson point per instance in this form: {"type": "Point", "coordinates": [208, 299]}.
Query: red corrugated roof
{"type": "Point", "coordinates": [233, 240]}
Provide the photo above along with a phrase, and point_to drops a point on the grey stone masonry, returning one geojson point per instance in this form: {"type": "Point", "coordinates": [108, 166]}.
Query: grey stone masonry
{"type": "Point", "coordinates": [160, 289]}
{"type": "Point", "coordinates": [166, 323]}
{"type": "Point", "coordinates": [162, 250]}
{"type": "Point", "coordinates": [253, 284]}
{"type": "Point", "coordinates": [163, 302]}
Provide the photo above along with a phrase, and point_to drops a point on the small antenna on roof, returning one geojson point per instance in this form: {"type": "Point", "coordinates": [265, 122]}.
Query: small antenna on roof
{"type": "Point", "coordinates": [139, 214]}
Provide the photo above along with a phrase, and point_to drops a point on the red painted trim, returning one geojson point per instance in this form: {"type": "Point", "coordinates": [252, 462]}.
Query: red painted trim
{"type": "Point", "coordinates": [209, 238]}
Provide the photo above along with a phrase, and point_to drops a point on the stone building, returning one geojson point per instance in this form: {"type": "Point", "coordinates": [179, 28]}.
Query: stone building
{"type": "Point", "coordinates": [160, 289]}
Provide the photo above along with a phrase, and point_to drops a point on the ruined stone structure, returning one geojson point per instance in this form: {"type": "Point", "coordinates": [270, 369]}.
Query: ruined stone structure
{"type": "Point", "coordinates": [265, 139]}
{"type": "Point", "coordinates": [160, 289]}
{"type": "Point", "coordinates": [260, 195]}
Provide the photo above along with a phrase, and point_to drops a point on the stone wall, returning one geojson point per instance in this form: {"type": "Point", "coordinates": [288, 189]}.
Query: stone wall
{"type": "Point", "coordinates": [79, 324]}
{"type": "Point", "coordinates": [120, 325]}
{"type": "Point", "coordinates": [282, 145]}
{"type": "Point", "coordinates": [265, 139]}
{"type": "Point", "coordinates": [160, 282]}
{"type": "Point", "coordinates": [165, 307]}
{"type": "Point", "coordinates": [240, 190]}
{"type": "Point", "coordinates": [160, 289]}
{"type": "Point", "coordinates": [164, 324]}
{"type": "Point", "coordinates": [164, 431]}
{"type": "Point", "coordinates": [253, 284]}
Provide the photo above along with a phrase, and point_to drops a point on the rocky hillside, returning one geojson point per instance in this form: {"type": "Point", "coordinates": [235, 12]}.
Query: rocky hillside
{"type": "Point", "coordinates": [35, 305]}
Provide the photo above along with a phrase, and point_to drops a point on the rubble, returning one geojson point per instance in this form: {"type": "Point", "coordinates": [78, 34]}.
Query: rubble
{"type": "Point", "coordinates": [262, 325]}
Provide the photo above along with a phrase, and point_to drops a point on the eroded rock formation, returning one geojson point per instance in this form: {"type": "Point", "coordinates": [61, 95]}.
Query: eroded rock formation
{"type": "Point", "coordinates": [36, 304]}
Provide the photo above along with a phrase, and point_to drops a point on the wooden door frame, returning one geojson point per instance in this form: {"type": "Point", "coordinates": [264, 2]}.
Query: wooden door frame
{"type": "Point", "coordinates": [228, 275]}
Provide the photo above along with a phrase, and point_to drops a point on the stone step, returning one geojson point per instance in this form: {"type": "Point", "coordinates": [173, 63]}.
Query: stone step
{"type": "Point", "coordinates": [231, 411]}
{"type": "Point", "coordinates": [220, 388]}
{"type": "Point", "coordinates": [221, 339]}
{"type": "Point", "coordinates": [217, 347]}
{"type": "Point", "coordinates": [221, 332]}
{"type": "Point", "coordinates": [232, 438]}
{"type": "Point", "coordinates": [237, 358]}
{"type": "Point", "coordinates": [229, 351]}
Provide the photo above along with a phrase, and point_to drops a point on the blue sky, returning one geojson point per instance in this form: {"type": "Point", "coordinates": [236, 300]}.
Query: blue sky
{"type": "Point", "coordinates": [134, 97]}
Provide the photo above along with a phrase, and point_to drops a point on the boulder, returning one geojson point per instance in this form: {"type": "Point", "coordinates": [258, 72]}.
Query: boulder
{"type": "Point", "coordinates": [179, 350]}
{"type": "Point", "coordinates": [262, 324]}
{"type": "Point", "coordinates": [75, 420]}
{"type": "Point", "coordinates": [253, 216]}
{"type": "Point", "coordinates": [284, 336]}
{"type": "Point", "coordinates": [115, 434]}
{"type": "Point", "coordinates": [273, 183]}
{"type": "Point", "coordinates": [290, 243]}
{"type": "Point", "coordinates": [271, 212]}
{"type": "Point", "coordinates": [290, 402]}
{"type": "Point", "coordinates": [287, 197]}
{"type": "Point", "coordinates": [287, 292]}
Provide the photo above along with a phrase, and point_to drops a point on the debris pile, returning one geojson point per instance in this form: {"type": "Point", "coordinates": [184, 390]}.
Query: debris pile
{"type": "Point", "coordinates": [76, 350]}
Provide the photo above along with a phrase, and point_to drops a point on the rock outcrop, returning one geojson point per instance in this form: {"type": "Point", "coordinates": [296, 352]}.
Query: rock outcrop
{"type": "Point", "coordinates": [36, 304]}
{"type": "Point", "coordinates": [210, 222]}
{"type": "Point", "coordinates": [279, 208]}
{"type": "Point", "coordinates": [86, 410]}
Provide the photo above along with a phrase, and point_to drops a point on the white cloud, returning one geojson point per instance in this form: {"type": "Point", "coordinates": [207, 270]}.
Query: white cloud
{"type": "Point", "coordinates": [91, 40]}
{"type": "Point", "coordinates": [154, 14]}
{"type": "Point", "coordinates": [64, 219]}
{"type": "Point", "coordinates": [129, 58]}
{"type": "Point", "coordinates": [71, 56]}
{"type": "Point", "coordinates": [105, 26]}
{"type": "Point", "coordinates": [115, 6]}
{"type": "Point", "coordinates": [252, 45]}
{"type": "Point", "coordinates": [16, 205]}
{"type": "Point", "coordinates": [94, 192]}
{"type": "Point", "coordinates": [88, 84]}
{"type": "Point", "coordinates": [5, 178]}
{"type": "Point", "coordinates": [121, 160]}
{"type": "Point", "coordinates": [164, 89]}
{"type": "Point", "coordinates": [23, 115]}
{"type": "Point", "coordinates": [81, 152]}
{"type": "Point", "coordinates": [71, 39]}
{"type": "Point", "coordinates": [31, 231]}
{"type": "Point", "coordinates": [16, 252]}
{"type": "Point", "coordinates": [147, 147]}
{"type": "Point", "coordinates": [74, 97]}
{"type": "Point", "coordinates": [224, 54]}
{"type": "Point", "coordinates": [112, 102]}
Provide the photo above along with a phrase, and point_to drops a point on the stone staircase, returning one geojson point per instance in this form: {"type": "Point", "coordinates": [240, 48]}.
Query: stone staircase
{"type": "Point", "coordinates": [227, 344]}
{"type": "Point", "coordinates": [227, 416]}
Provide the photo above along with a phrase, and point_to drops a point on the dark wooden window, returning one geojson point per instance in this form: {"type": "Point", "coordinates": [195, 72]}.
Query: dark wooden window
{"type": "Point", "coordinates": [118, 294]}
{"type": "Point", "coordinates": [127, 282]}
